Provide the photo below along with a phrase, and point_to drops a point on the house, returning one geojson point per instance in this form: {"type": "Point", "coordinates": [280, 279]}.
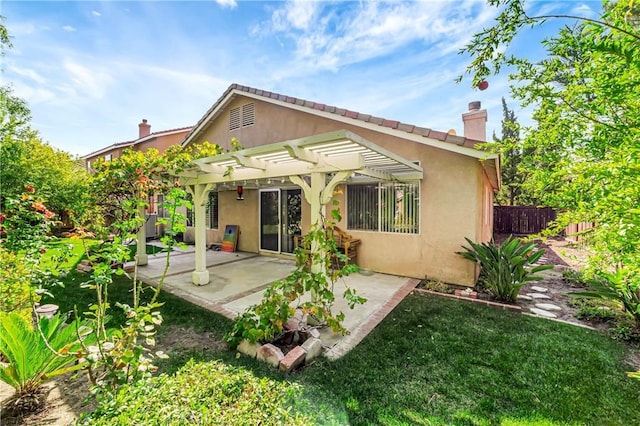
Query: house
{"type": "Point", "coordinates": [158, 140]}
{"type": "Point", "coordinates": [410, 194]}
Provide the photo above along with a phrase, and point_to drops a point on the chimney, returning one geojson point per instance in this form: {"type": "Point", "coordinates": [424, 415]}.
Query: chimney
{"type": "Point", "coordinates": [145, 129]}
{"type": "Point", "coordinates": [475, 122]}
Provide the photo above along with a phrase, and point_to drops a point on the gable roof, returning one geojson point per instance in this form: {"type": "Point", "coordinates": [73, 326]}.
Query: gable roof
{"type": "Point", "coordinates": [136, 141]}
{"type": "Point", "coordinates": [418, 134]}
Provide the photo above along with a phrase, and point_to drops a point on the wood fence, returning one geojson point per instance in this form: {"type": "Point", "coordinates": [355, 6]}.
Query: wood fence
{"type": "Point", "coordinates": [527, 220]}
{"type": "Point", "coordinates": [521, 220]}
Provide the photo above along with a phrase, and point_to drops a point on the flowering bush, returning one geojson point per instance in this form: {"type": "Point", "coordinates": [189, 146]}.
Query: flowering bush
{"type": "Point", "coordinates": [24, 229]}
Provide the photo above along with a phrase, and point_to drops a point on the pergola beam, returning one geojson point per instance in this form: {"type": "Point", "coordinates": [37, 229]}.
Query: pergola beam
{"type": "Point", "coordinates": [252, 163]}
{"type": "Point", "coordinates": [302, 154]}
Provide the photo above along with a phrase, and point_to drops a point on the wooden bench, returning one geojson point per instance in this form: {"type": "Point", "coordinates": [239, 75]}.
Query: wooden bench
{"type": "Point", "coordinates": [346, 244]}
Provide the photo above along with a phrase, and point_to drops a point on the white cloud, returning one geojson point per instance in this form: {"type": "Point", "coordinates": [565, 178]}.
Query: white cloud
{"type": "Point", "coordinates": [231, 4]}
{"type": "Point", "coordinates": [68, 28]}
{"type": "Point", "coordinates": [96, 13]}
{"type": "Point", "coordinates": [88, 82]}
{"type": "Point", "coordinates": [329, 38]}
{"type": "Point", "coordinates": [29, 73]}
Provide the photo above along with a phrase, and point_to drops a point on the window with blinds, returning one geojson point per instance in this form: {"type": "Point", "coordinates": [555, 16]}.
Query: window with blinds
{"type": "Point", "coordinates": [384, 207]}
{"type": "Point", "coordinates": [242, 116]}
{"type": "Point", "coordinates": [211, 215]}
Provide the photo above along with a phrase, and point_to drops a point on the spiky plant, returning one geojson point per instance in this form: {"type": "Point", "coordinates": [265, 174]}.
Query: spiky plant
{"type": "Point", "coordinates": [505, 268]}
{"type": "Point", "coordinates": [36, 355]}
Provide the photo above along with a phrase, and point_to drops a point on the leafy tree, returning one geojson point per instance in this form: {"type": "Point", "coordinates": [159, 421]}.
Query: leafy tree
{"type": "Point", "coordinates": [585, 147]}
{"type": "Point", "coordinates": [510, 146]}
{"type": "Point", "coordinates": [26, 159]}
{"type": "Point", "coordinates": [60, 178]}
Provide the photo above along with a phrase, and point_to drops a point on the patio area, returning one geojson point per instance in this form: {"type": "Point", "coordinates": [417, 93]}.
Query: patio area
{"type": "Point", "coordinates": [238, 280]}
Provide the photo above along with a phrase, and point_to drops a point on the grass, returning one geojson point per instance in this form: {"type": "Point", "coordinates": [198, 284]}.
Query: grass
{"type": "Point", "coordinates": [436, 361]}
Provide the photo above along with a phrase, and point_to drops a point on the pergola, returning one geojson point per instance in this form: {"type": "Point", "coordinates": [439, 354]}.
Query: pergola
{"type": "Point", "coordinates": [317, 164]}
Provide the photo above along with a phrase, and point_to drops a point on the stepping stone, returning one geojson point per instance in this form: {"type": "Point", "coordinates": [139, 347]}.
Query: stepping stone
{"type": "Point", "coordinates": [543, 313]}
{"type": "Point", "coordinates": [548, 306]}
{"type": "Point", "coordinates": [524, 297]}
{"type": "Point", "coordinates": [538, 296]}
{"type": "Point", "coordinates": [539, 289]}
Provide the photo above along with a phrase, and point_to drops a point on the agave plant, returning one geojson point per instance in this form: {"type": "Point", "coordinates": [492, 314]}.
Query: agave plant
{"type": "Point", "coordinates": [505, 268]}
{"type": "Point", "coordinates": [36, 355]}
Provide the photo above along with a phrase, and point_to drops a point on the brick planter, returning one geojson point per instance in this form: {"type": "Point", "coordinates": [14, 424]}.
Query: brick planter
{"type": "Point", "coordinates": [514, 308]}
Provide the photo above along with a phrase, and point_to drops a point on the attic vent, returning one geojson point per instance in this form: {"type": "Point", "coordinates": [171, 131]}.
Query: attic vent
{"type": "Point", "coordinates": [242, 116]}
{"type": "Point", "coordinates": [234, 119]}
{"type": "Point", "coordinates": [248, 114]}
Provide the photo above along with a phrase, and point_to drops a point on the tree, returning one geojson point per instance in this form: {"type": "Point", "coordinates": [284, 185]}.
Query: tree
{"type": "Point", "coordinates": [510, 146]}
{"type": "Point", "coordinates": [585, 147]}
{"type": "Point", "coordinates": [26, 159]}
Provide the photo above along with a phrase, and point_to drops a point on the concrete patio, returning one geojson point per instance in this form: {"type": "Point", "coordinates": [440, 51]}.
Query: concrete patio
{"type": "Point", "coordinates": [238, 280]}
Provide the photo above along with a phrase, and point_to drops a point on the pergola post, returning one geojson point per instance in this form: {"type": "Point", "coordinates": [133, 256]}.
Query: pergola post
{"type": "Point", "coordinates": [318, 211]}
{"type": "Point", "coordinates": [199, 193]}
{"type": "Point", "coordinates": [141, 245]}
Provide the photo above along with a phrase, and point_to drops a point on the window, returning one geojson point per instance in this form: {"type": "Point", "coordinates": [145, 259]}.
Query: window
{"type": "Point", "coordinates": [384, 207]}
{"type": "Point", "coordinates": [108, 157]}
{"type": "Point", "coordinates": [212, 210]}
{"type": "Point", "coordinates": [162, 211]}
{"type": "Point", "coordinates": [211, 215]}
{"type": "Point", "coordinates": [242, 116]}
{"type": "Point", "coordinates": [88, 165]}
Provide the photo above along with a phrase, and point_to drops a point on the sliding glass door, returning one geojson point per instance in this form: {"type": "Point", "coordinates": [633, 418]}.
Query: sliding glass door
{"type": "Point", "coordinates": [280, 217]}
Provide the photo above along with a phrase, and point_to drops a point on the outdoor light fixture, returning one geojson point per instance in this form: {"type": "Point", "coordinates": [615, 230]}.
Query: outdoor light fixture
{"type": "Point", "coordinates": [240, 191]}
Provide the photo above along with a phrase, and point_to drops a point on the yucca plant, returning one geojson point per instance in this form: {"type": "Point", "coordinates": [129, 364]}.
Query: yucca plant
{"type": "Point", "coordinates": [36, 355]}
{"type": "Point", "coordinates": [505, 268]}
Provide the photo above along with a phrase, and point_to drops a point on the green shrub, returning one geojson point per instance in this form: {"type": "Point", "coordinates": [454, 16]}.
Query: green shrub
{"type": "Point", "coordinates": [574, 277]}
{"type": "Point", "coordinates": [209, 393]}
{"type": "Point", "coordinates": [505, 268]}
{"type": "Point", "coordinates": [623, 286]}
{"type": "Point", "coordinates": [16, 291]}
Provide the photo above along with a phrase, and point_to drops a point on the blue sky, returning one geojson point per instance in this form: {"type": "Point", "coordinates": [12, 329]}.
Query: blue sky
{"type": "Point", "coordinates": [90, 71]}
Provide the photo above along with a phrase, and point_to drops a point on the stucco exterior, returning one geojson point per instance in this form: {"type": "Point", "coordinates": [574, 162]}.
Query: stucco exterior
{"type": "Point", "coordinates": [456, 193]}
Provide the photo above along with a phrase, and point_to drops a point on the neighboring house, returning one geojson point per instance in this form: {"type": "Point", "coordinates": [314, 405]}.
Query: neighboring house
{"type": "Point", "coordinates": [159, 140]}
{"type": "Point", "coordinates": [410, 194]}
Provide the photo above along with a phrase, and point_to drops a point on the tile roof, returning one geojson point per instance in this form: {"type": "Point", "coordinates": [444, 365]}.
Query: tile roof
{"type": "Point", "coordinates": [393, 124]}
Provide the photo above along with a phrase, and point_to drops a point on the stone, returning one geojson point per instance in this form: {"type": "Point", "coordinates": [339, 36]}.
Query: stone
{"type": "Point", "coordinates": [292, 324]}
{"type": "Point", "coordinates": [543, 313]}
{"type": "Point", "coordinates": [538, 296]}
{"type": "Point", "coordinates": [294, 358]}
{"type": "Point", "coordinates": [539, 289]}
{"type": "Point", "coordinates": [248, 348]}
{"type": "Point", "coordinates": [524, 297]}
{"type": "Point", "coordinates": [548, 306]}
{"type": "Point", "coordinates": [466, 293]}
{"type": "Point", "coordinates": [313, 332]}
{"type": "Point", "coordinates": [313, 347]}
{"type": "Point", "coordinates": [270, 354]}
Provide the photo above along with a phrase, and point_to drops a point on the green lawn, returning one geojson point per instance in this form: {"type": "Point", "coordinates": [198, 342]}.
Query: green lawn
{"type": "Point", "coordinates": [436, 361]}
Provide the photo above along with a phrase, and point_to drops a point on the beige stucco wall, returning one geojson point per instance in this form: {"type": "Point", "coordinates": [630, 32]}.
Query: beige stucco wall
{"type": "Point", "coordinates": [451, 196]}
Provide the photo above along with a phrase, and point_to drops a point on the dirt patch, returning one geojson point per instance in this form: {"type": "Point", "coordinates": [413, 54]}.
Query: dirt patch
{"type": "Point", "coordinates": [67, 397]}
